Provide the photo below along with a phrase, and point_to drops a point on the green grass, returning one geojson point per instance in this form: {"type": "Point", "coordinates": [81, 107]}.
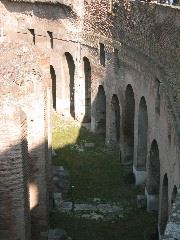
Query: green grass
{"type": "Point", "coordinates": [97, 173]}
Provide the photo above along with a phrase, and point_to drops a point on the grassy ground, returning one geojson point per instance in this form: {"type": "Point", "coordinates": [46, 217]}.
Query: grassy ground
{"type": "Point", "coordinates": [97, 173]}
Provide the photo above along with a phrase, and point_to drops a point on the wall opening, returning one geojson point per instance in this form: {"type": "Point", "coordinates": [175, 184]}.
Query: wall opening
{"type": "Point", "coordinates": [116, 60]}
{"type": "Point", "coordinates": [71, 72]}
{"type": "Point", "coordinates": [174, 194]}
{"type": "Point", "coordinates": [87, 74]}
{"type": "Point", "coordinates": [115, 120]}
{"type": "Point", "coordinates": [102, 54]}
{"type": "Point", "coordinates": [51, 38]}
{"type": "Point", "coordinates": [164, 205]}
{"type": "Point", "coordinates": [33, 35]}
{"type": "Point", "coordinates": [101, 111]}
{"type": "Point", "coordinates": [128, 125]}
{"type": "Point", "coordinates": [153, 175]}
{"type": "Point", "coordinates": [142, 135]}
{"type": "Point", "coordinates": [157, 101]}
{"type": "Point", "coordinates": [53, 79]}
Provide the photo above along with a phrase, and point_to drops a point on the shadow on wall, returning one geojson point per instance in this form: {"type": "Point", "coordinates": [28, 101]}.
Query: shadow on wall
{"type": "Point", "coordinates": [25, 189]}
{"type": "Point", "coordinates": [57, 13]}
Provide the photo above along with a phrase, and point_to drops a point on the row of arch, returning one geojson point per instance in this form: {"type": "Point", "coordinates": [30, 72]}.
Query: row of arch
{"type": "Point", "coordinates": [127, 116]}
{"type": "Point", "coordinates": [121, 128]}
{"type": "Point", "coordinates": [127, 124]}
{"type": "Point", "coordinates": [152, 164]}
{"type": "Point", "coordinates": [69, 85]}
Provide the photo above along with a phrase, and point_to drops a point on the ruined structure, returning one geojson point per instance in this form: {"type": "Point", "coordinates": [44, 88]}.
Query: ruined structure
{"type": "Point", "coordinates": [111, 64]}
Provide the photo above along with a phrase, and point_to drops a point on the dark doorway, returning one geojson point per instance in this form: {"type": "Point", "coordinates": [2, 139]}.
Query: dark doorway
{"type": "Point", "coordinates": [164, 205]}
{"type": "Point", "coordinates": [142, 135]}
{"type": "Point", "coordinates": [87, 74]}
{"type": "Point", "coordinates": [101, 111]}
{"type": "Point", "coordinates": [71, 72]}
{"type": "Point", "coordinates": [115, 120]}
{"type": "Point", "coordinates": [128, 125]}
{"type": "Point", "coordinates": [153, 175]}
{"type": "Point", "coordinates": [53, 79]}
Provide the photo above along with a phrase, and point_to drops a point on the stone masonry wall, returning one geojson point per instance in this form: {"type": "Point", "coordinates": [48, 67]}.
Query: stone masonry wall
{"type": "Point", "coordinates": [15, 221]}
{"type": "Point", "coordinates": [141, 42]}
{"type": "Point", "coordinates": [22, 86]}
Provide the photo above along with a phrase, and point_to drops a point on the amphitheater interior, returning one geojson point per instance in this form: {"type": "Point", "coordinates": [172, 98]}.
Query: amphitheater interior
{"type": "Point", "coordinates": [111, 64]}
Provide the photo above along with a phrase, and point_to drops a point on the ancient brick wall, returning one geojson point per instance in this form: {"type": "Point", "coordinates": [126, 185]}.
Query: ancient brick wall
{"type": "Point", "coordinates": [15, 197]}
{"type": "Point", "coordinates": [141, 47]}
{"type": "Point", "coordinates": [150, 29]}
{"type": "Point", "coordinates": [22, 86]}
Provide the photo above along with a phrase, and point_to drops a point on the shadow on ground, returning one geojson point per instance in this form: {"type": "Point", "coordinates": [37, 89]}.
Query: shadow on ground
{"type": "Point", "coordinates": [97, 177]}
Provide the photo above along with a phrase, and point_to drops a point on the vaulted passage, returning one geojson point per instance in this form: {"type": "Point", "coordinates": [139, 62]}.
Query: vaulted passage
{"type": "Point", "coordinates": [115, 120]}
{"type": "Point", "coordinates": [142, 135]}
{"type": "Point", "coordinates": [87, 75]}
{"type": "Point", "coordinates": [53, 79]}
{"type": "Point", "coordinates": [128, 126]}
{"type": "Point", "coordinates": [69, 71]}
{"type": "Point", "coordinates": [164, 205]}
{"type": "Point", "coordinates": [101, 111]}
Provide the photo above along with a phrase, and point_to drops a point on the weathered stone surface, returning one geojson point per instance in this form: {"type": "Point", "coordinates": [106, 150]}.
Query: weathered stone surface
{"type": "Point", "coordinates": [173, 226]}
{"type": "Point", "coordinates": [129, 45]}
{"type": "Point", "coordinates": [57, 234]}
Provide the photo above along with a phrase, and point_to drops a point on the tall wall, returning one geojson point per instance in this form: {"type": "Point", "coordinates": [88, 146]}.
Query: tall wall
{"type": "Point", "coordinates": [26, 141]}
{"type": "Point", "coordinates": [137, 61]}
{"type": "Point", "coordinates": [15, 212]}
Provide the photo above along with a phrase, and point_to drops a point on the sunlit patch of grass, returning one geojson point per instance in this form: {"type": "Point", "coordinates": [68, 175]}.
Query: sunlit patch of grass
{"type": "Point", "coordinates": [64, 132]}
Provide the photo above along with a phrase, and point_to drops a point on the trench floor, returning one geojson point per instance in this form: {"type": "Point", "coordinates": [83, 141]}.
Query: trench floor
{"type": "Point", "coordinates": [103, 194]}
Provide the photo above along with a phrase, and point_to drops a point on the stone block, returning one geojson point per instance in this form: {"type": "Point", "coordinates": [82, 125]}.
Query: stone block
{"type": "Point", "coordinates": [140, 176]}
{"type": "Point", "coordinates": [152, 201]}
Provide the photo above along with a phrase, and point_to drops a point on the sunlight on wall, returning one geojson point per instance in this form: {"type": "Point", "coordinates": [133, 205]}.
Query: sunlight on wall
{"type": "Point", "coordinates": [33, 195]}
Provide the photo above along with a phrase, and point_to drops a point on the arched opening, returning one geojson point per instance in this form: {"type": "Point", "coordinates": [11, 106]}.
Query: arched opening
{"type": "Point", "coordinates": [157, 101]}
{"type": "Point", "coordinates": [33, 36]}
{"type": "Point", "coordinates": [142, 135]}
{"type": "Point", "coordinates": [102, 54]}
{"type": "Point", "coordinates": [128, 126]}
{"type": "Point", "coordinates": [53, 79]}
{"type": "Point", "coordinates": [87, 74]}
{"type": "Point", "coordinates": [115, 120]}
{"type": "Point", "coordinates": [51, 38]}
{"type": "Point", "coordinates": [153, 177]}
{"type": "Point", "coordinates": [174, 194]}
{"type": "Point", "coordinates": [69, 78]}
{"type": "Point", "coordinates": [101, 111]}
{"type": "Point", "coordinates": [164, 206]}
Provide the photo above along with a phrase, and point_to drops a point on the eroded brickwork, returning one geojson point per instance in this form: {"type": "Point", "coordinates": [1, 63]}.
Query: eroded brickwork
{"type": "Point", "coordinates": [26, 142]}
{"type": "Point", "coordinates": [133, 52]}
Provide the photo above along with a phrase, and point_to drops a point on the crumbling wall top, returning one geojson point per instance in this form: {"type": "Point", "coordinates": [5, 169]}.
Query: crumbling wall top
{"type": "Point", "coordinates": [75, 5]}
